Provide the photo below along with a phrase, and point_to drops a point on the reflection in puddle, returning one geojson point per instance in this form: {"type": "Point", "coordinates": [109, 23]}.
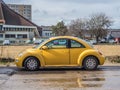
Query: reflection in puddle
{"type": "Point", "coordinates": [68, 82]}
{"type": "Point", "coordinates": [89, 82]}
{"type": "Point", "coordinates": [91, 85]}
{"type": "Point", "coordinates": [93, 79]}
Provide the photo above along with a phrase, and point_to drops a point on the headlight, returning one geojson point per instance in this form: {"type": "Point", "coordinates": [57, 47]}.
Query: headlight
{"type": "Point", "coordinates": [19, 55]}
{"type": "Point", "coordinates": [16, 60]}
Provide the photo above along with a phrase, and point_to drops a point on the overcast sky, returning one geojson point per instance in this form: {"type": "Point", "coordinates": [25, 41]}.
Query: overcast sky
{"type": "Point", "coordinates": [49, 12]}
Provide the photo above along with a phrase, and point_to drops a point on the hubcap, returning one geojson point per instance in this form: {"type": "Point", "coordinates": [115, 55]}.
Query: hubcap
{"type": "Point", "coordinates": [91, 63]}
{"type": "Point", "coordinates": [32, 64]}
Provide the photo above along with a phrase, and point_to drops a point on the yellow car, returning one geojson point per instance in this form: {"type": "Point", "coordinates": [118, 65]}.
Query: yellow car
{"type": "Point", "coordinates": [60, 51]}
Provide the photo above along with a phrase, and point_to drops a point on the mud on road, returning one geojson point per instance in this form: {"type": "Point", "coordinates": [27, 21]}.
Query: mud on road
{"type": "Point", "coordinates": [104, 78]}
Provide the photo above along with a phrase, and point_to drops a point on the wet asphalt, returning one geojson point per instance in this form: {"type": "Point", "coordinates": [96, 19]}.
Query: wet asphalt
{"type": "Point", "coordinates": [104, 78]}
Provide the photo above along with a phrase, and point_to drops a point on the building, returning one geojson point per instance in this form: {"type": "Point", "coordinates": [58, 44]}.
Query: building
{"type": "Point", "coordinates": [16, 33]}
{"type": "Point", "coordinates": [114, 34]}
{"type": "Point", "coordinates": [24, 10]}
{"type": "Point", "coordinates": [15, 27]}
{"type": "Point", "coordinates": [46, 31]}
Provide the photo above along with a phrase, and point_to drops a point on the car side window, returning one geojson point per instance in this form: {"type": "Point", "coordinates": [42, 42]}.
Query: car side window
{"type": "Point", "coordinates": [75, 44]}
{"type": "Point", "coordinates": [57, 44]}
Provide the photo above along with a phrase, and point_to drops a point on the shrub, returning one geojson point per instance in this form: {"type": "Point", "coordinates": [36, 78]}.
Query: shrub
{"type": "Point", "coordinates": [113, 59]}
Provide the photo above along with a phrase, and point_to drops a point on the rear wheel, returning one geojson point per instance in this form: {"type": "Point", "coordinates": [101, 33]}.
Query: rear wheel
{"type": "Point", "coordinates": [90, 63]}
{"type": "Point", "coordinates": [31, 63]}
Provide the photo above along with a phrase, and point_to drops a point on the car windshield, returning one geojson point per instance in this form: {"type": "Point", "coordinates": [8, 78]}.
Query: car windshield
{"type": "Point", "coordinates": [36, 46]}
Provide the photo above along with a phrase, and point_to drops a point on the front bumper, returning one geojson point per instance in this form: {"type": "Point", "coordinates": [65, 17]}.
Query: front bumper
{"type": "Point", "coordinates": [18, 62]}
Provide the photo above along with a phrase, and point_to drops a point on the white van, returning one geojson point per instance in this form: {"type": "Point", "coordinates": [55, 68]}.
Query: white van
{"type": "Point", "coordinates": [6, 42]}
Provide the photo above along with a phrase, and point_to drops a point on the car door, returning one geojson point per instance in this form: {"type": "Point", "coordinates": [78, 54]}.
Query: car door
{"type": "Point", "coordinates": [76, 48]}
{"type": "Point", "coordinates": [57, 52]}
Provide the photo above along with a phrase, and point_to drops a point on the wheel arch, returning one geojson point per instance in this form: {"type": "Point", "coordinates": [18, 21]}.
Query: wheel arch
{"type": "Point", "coordinates": [90, 56]}
{"type": "Point", "coordinates": [29, 57]}
{"type": "Point", "coordinates": [86, 54]}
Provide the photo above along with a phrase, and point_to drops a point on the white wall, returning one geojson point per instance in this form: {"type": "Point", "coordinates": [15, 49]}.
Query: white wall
{"type": "Point", "coordinates": [49, 33]}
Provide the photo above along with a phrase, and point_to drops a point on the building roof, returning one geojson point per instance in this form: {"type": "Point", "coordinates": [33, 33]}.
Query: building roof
{"type": "Point", "coordinates": [115, 33]}
{"type": "Point", "coordinates": [46, 28]}
{"type": "Point", "coordinates": [10, 17]}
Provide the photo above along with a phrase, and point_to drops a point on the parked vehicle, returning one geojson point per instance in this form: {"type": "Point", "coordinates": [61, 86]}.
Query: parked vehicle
{"type": "Point", "coordinates": [6, 42]}
{"type": "Point", "coordinates": [38, 41]}
{"type": "Point", "coordinates": [112, 41]}
{"type": "Point", "coordinates": [93, 42]}
{"type": "Point", "coordinates": [29, 42]}
{"type": "Point", "coordinates": [103, 41]}
{"type": "Point", "coordinates": [74, 52]}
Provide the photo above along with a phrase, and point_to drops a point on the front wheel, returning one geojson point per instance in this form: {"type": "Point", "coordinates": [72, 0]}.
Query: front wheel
{"type": "Point", "coordinates": [90, 63]}
{"type": "Point", "coordinates": [31, 63]}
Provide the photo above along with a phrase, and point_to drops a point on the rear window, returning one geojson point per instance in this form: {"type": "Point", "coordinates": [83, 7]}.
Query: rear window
{"type": "Point", "coordinates": [75, 44]}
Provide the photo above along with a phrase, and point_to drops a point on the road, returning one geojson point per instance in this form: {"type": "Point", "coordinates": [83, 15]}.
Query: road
{"type": "Point", "coordinates": [104, 78]}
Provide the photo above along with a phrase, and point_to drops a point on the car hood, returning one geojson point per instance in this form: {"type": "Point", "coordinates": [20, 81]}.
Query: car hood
{"type": "Point", "coordinates": [30, 50]}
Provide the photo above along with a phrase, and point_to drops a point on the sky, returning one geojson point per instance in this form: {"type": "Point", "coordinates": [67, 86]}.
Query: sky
{"type": "Point", "coordinates": [49, 12]}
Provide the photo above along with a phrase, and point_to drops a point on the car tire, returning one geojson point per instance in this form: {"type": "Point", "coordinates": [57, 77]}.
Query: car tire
{"type": "Point", "coordinates": [90, 63]}
{"type": "Point", "coordinates": [31, 64]}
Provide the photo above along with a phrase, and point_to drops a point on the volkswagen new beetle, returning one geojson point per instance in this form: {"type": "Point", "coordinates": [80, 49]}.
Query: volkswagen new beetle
{"type": "Point", "coordinates": [60, 51]}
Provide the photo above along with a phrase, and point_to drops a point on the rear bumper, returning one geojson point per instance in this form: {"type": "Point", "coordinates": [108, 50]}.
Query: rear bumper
{"type": "Point", "coordinates": [101, 60]}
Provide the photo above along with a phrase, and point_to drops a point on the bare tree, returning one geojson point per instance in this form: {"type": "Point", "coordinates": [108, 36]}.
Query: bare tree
{"type": "Point", "coordinates": [98, 24]}
{"type": "Point", "coordinates": [77, 27]}
{"type": "Point", "coordinates": [60, 29]}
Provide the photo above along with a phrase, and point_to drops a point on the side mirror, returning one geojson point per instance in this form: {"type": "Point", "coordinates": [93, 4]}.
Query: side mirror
{"type": "Point", "coordinates": [44, 47]}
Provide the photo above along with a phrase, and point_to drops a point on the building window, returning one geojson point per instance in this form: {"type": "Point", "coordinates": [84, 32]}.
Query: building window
{"type": "Point", "coordinates": [24, 36]}
{"type": "Point", "coordinates": [1, 35]}
{"type": "Point", "coordinates": [50, 34]}
{"type": "Point", "coordinates": [6, 29]}
{"type": "Point", "coordinates": [46, 34]}
{"type": "Point", "coordinates": [7, 36]}
{"type": "Point", "coordinates": [12, 41]}
{"type": "Point", "coordinates": [10, 36]}
{"type": "Point", "coordinates": [19, 36]}
{"type": "Point", "coordinates": [1, 27]}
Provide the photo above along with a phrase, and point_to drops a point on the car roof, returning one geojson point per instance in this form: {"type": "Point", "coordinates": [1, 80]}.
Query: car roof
{"type": "Point", "coordinates": [68, 37]}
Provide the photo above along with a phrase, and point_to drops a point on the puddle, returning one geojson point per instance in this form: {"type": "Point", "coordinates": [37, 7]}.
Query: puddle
{"type": "Point", "coordinates": [91, 85]}
{"type": "Point", "coordinates": [93, 79]}
{"type": "Point", "coordinates": [61, 80]}
{"type": "Point", "coordinates": [66, 82]}
{"type": "Point", "coordinates": [7, 71]}
{"type": "Point", "coordinates": [31, 80]}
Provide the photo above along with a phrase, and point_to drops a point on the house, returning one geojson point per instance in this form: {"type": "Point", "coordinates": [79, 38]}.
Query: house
{"type": "Point", "coordinates": [115, 34]}
{"type": "Point", "coordinates": [47, 31]}
{"type": "Point", "coordinates": [15, 27]}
